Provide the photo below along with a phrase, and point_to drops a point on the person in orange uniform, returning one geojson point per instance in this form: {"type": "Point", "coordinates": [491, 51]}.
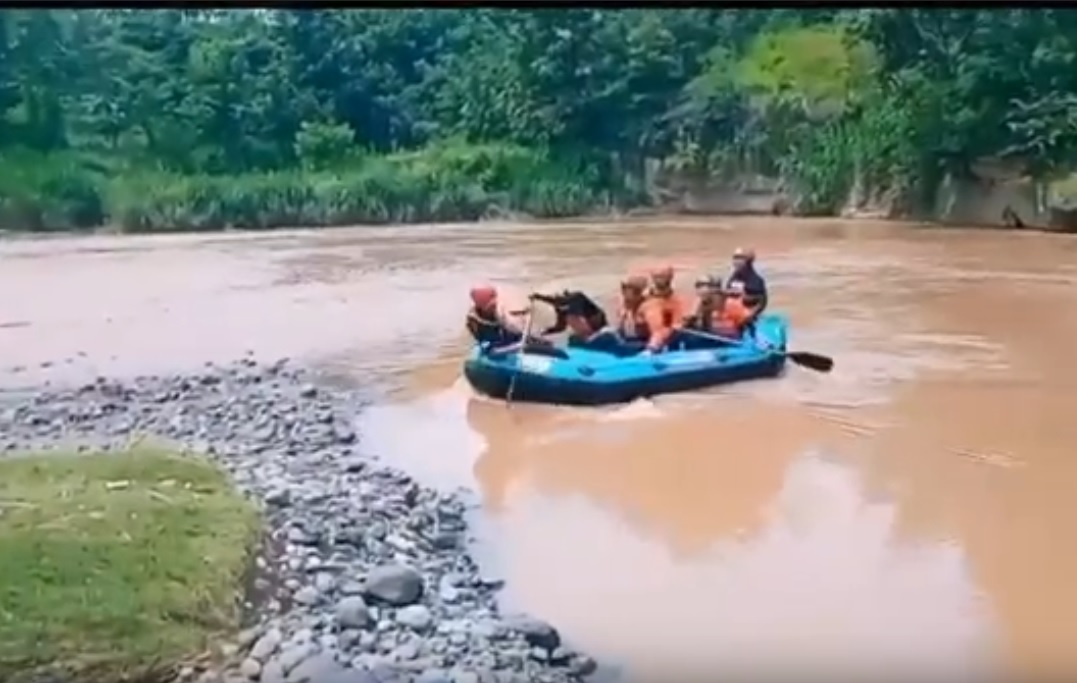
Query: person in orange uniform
{"type": "Point", "coordinates": [488, 323]}
{"type": "Point", "coordinates": [631, 318]}
{"type": "Point", "coordinates": [720, 311]}
{"type": "Point", "coordinates": [664, 310]}
{"type": "Point", "coordinates": [708, 305]}
{"type": "Point", "coordinates": [733, 315]}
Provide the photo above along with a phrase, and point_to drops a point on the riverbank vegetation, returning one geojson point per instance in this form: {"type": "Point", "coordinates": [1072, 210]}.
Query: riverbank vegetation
{"type": "Point", "coordinates": [117, 563]}
{"type": "Point", "coordinates": [169, 119]}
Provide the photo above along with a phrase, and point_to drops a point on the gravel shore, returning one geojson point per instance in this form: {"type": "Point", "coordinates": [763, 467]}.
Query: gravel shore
{"type": "Point", "coordinates": [366, 576]}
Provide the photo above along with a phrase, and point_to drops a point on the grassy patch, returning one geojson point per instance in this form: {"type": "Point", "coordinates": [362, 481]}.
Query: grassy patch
{"type": "Point", "coordinates": [115, 565]}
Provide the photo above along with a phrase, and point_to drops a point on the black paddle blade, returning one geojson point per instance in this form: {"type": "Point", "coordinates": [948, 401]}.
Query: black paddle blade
{"type": "Point", "coordinates": [812, 361]}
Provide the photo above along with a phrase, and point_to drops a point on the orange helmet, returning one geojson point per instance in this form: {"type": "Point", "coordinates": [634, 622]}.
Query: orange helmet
{"type": "Point", "coordinates": [634, 281]}
{"type": "Point", "coordinates": [662, 274]}
{"type": "Point", "coordinates": [483, 296]}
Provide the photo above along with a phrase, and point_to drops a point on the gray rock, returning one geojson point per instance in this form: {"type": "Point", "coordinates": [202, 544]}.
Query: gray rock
{"type": "Point", "coordinates": [447, 592]}
{"type": "Point", "coordinates": [489, 629]}
{"type": "Point", "coordinates": [325, 583]}
{"type": "Point", "coordinates": [247, 637]}
{"type": "Point", "coordinates": [395, 584]}
{"type": "Point", "coordinates": [210, 677]}
{"type": "Point", "coordinates": [415, 617]}
{"type": "Point", "coordinates": [433, 676]}
{"type": "Point", "coordinates": [351, 588]}
{"type": "Point", "coordinates": [348, 638]}
{"type": "Point", "coordinates": [352, 612]}
{"type": "Point", "coordinates": [583, 666]}
{"type": "Point", "coordinates": [273, 673]}
{"type": "Point", "coordinates": [265, 646]}
{"type": "Point", "coordinates": [250, 668]}
{"type": "Point", "coordinates": [458, 640]}
{"type": "Point", "coordinates": [291, 657]}
{"type": "Point", "coordinates": [368, 641]}
{"type": "Point", "coordinates": [322, 668]}
{"type": "Point", "coordinates": [307, 595]}
{"type": "Point", "coordinates": [406, 652]}
{"type": "Point", "coordinates": [537, 632]}
{"type": "Point", "coordinates": [281, 497]}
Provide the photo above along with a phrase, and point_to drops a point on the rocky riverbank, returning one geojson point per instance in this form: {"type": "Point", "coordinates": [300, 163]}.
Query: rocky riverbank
{"type": "Point", "coordinates": [365, 576]}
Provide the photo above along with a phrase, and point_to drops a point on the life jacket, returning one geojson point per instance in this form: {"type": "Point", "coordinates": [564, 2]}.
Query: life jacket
{"type": "Point", "coordinates": [673, 306]}
{"type": "Point", "coordinates": [632, 324]}
{"type": "Point", "coordinates": [706, 317]}
{"type": "Point", "coordinates": [729, 321]}
{"type": "Point", "coordinates": [487, 328]}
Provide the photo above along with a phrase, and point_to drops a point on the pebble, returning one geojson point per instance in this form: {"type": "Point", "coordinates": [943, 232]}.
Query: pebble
{"type": "Point", "coordinates": [307, 595]}
{"type": "Point", "coordinates": [352, 612]}
{"type": "Point", "coordinates": [267, 644]}
{"type": "Point", "coordinates": [354, 545]}
{"type": "Point", "coordinates": [415, 617]}
{"type": "Point", "coordinates": [250, 668]}
{"type": "Point", "coordinates": [395, 584]}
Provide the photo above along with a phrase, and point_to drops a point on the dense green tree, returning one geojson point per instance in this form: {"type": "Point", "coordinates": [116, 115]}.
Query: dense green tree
{"type": "Point", "coordinates": [826, 98]}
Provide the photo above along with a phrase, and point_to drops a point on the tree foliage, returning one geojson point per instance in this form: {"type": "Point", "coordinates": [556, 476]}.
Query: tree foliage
{"type": "Point", "coordinates": [822, 97]}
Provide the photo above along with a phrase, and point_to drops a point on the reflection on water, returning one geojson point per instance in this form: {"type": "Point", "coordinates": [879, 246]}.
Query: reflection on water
{"type": "Point", "coordinates": [823, 586]}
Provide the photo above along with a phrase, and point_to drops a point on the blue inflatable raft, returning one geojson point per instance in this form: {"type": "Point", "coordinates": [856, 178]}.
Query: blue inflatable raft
{"type": "Point", "coordinates": [581, 376]}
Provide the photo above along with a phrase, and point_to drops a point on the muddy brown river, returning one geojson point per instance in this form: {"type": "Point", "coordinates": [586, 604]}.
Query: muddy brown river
{"type": "Point", "coordinates": [913, 508]}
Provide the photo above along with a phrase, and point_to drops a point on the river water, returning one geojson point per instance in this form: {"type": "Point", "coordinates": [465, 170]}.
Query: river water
{"type": "Point", "coordinates": [912, 508]}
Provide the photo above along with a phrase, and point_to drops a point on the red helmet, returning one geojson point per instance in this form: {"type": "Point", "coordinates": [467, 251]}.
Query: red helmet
{"type": "Point", "coordinates": [484, 295]}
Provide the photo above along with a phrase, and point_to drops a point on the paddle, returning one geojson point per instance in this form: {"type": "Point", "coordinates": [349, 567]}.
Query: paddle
{"type": "Point", "coordinates": [519, 358]}
{"type": "Point", "coordinates": [805, 359]}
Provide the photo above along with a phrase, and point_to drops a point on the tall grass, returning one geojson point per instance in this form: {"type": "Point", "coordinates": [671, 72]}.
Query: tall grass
{"type": "Point", "coordinates": [447, 182]}
{"type": "Point", "coordinates": [55, 192]}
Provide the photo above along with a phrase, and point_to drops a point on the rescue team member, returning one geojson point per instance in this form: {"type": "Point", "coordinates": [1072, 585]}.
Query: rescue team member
{"type": "Point", "coordinates": [631, 318]}
{"type": "Point", "coordinates": [488, 322]}
{"type": "Point", "coordinates": [735, 316]}
{"type": "Point", "coordinates": [754, 286]}
{"type": "Point", "coordinates": [587, 324]}
{"type": "Point", "coordinates": [575, 311]}
{"type": "Point", "coordinates": [719, 312]}
{"type": "Point", "coordinates": [664, 310]}
{"type": "Point", "coordinates": [709, 300]}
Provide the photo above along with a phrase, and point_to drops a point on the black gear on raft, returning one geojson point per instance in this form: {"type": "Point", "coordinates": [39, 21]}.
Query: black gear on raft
{"type": "Point", "coordinates": [572, 302]}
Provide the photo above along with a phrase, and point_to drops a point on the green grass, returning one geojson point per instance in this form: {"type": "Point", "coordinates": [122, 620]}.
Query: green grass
{"type": "Point", "coordinates": [116, 566]}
